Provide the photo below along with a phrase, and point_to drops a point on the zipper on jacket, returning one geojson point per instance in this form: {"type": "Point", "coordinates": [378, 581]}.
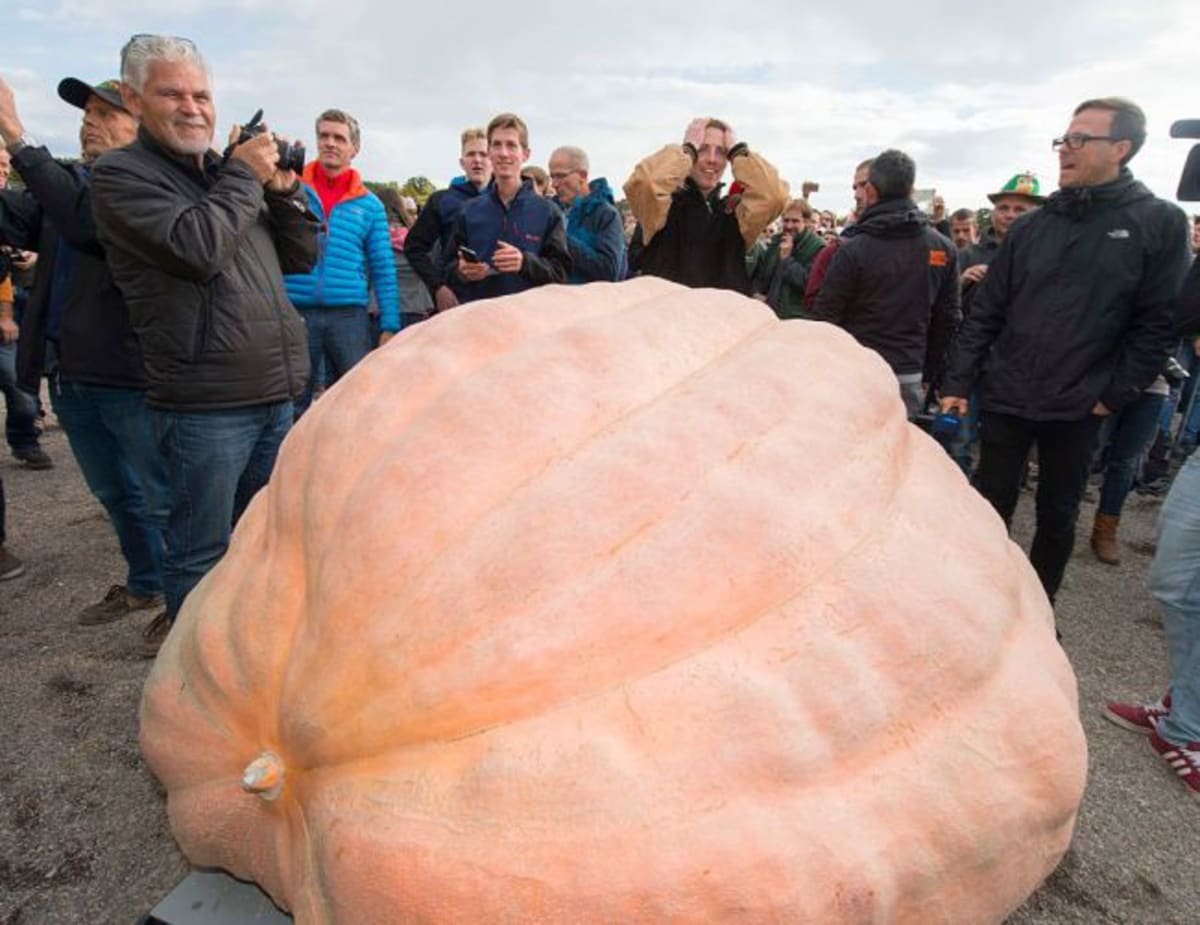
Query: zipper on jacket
{"type": "Point", "coordinates": [200, 337]}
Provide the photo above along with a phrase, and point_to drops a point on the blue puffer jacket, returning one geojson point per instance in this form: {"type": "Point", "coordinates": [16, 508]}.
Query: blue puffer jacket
{"type": "Point", "coordinates": [596, 237]}
{"type": "Point", "coordinates": [529, 222]}
{"type": "Point", "coordinates": [354, 249]}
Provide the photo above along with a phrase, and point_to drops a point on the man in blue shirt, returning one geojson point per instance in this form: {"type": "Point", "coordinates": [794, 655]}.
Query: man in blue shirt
{"type": "Point", "coordinates": [595, 234]}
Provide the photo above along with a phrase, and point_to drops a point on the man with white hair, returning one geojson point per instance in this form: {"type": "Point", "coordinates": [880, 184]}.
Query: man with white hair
{"type": "Point", "coordinates": [198, 245]}
{"type": "Point", "coordinates": [595, 233]}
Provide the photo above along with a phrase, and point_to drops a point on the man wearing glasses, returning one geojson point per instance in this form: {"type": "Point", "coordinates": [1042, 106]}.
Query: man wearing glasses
{"type": "Point", "coordinates": [198, 245]}
{"type": "Point", "coordinates": [1072, 321]}
{"type": "Point", "coordinates": [595, 234]}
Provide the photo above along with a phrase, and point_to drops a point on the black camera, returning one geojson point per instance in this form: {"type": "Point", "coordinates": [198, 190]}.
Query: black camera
{"type": "Point", "coordinates": [291, 156]}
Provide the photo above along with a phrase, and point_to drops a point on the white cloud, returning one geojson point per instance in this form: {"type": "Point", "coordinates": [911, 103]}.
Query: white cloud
{"type": "Point", "coordinates": [974, 92]}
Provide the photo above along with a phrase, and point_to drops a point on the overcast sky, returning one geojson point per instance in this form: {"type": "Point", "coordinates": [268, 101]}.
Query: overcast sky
{"type": "Point", "coordinates": [974, 91]}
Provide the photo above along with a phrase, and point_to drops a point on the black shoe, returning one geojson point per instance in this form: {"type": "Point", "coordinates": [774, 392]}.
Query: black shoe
{"type": "Point", "coordinates": [34, 458]}
{"type": "Point", "coordinates": [10, 565]}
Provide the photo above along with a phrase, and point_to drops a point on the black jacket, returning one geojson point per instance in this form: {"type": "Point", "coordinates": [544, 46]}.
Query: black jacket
{"type": "Point", "coordinates": [96, 344]}
{"type": "Point", "coordinates": [1187, 312]}
{"type": "Point", "coordinates": [427, 244]}
{"type": "Point", "coordinates": [893, 284]}
{"type": "Point", "coordinates": [701, 244]}
{"type": "Point", "coordinates": [1077, 306]}
{"type": "Point", "coordinates": [199, 255]}
{"type": "Point", "coordinates": [982, 253]}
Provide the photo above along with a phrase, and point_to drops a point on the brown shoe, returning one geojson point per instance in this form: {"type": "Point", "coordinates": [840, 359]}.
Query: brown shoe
{"type": "Point", "coordinates": [154, 635]}
{"type": "Point", "coordinates": [117, 603]}
{"type": "Point", "coordinates": [1104, 539]}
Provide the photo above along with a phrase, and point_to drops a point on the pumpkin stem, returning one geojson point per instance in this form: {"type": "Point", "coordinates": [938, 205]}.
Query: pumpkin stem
{"type": "Point", "coordinates": [264, 776]}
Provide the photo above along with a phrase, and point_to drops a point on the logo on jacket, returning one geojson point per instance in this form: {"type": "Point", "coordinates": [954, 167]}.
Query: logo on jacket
{"type": "Point", "coordinates": [939, 259]}
{"type": "Point", "coordinates": [1119, 234]}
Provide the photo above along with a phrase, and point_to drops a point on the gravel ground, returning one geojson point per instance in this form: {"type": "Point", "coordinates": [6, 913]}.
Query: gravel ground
{"type": "Point", "coordinates": [83, 835]}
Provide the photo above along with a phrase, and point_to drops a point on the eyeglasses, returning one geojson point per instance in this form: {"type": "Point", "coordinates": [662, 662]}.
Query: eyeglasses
{"type": "Point", "coordinates": [1076, 140]}
{"type": "Point", "coordinates": [560, 174]}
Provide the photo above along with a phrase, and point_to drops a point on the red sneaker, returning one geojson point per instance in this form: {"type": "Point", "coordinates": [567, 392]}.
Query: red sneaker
{"type": "Point", "coordinates": [1183, 759]}
{"type": "Point", "coordinates": [1138, 717]}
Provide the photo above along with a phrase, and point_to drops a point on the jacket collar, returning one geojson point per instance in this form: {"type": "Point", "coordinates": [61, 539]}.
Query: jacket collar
{"type": "Point", "coordinates": [1077, 201]}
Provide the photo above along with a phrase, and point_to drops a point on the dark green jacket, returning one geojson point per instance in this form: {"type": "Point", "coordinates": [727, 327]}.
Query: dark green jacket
{"type": "Point", "coordinates": [783, 281]}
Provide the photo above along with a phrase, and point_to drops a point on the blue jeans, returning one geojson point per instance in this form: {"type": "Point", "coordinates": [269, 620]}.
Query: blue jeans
{"type": "Point", "coordinates": [20, 423]}
{"type": "Point", "coordinates": [340, 336]}
{"type": "Point", "coordinates": [968, 433]}
{"type": "Point", "coordinates": [1175, 582]}
{"type": "Point", "coordinates": [216, 462]}
{"type": "Point", "coordinates": [112, 436]}
{"type": "Point", "coordinates": [1129, 433]}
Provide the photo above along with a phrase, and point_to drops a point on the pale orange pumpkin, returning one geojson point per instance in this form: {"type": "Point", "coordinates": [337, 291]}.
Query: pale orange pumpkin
{"type": "Point", "coordinates": [622, 603]}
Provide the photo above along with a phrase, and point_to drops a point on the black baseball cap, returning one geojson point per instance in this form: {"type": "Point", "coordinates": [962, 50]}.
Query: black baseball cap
{"type": "Point", "coordinates": [76, 92]}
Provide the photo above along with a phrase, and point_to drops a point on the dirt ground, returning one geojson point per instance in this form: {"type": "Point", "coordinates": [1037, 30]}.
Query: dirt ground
{"type": "Point", "coordinates": [83, 835]}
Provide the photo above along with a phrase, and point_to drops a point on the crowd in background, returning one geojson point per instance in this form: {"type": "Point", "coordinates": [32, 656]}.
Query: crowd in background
{"type": "Point", "coordinates": [186, 305]}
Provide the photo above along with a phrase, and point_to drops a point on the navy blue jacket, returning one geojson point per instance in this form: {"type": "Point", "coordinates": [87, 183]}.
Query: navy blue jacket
{"type": "Point", "coordinates": [530, 222]}
{"type": "Point", "coordinates": [596, 236]}
{"type": "Point", "coordinates": [428, 243]}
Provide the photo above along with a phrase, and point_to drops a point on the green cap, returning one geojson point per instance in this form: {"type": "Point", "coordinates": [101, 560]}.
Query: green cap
{"type": "Point", "coordinates": [1022, 184]}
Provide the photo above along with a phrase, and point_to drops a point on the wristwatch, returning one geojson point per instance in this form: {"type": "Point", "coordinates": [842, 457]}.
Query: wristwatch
{"type": "Point", "coordinates": [25, 141]}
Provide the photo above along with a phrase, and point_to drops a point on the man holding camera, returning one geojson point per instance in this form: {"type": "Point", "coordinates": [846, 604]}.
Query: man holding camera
{"type": "Point", "coordinates": [779, 273]}
{"type": "Point", "coordinates": [1071, 322]}
{"type": "Point", "coordinates": [357, 256]}
{"type": "Point", "coordinates": [197, 245]}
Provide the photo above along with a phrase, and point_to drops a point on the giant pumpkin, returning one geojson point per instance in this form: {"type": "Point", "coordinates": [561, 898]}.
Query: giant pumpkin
{"type": "Point", "coordinates": [624, 603]}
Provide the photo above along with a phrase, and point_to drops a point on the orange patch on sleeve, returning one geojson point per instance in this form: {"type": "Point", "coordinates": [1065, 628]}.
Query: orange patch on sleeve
{"type": "Point", "coordinates": [938, 258]}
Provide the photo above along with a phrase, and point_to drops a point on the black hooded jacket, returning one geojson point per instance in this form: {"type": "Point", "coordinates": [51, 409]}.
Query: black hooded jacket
{"type": "Point", "coordinates": [893, 284]}
{"type": "Point", "coordinates": [1077, 306]}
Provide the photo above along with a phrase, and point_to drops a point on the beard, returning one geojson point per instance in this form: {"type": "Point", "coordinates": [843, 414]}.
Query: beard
{"type": "Point", "coordinates": [188, 143]}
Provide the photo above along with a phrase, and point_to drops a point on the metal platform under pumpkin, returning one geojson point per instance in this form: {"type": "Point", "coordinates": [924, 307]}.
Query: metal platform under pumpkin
{"type": "Point", "coordinates": [215, 898]}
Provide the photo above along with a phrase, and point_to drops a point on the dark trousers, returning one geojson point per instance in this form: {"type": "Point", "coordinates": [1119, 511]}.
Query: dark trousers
{"type": "Point", "coordinates": [1064, 456]}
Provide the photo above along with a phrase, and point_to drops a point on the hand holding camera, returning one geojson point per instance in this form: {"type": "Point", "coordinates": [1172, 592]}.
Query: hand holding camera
{"type": "Point", "coordinates": [274, 160]}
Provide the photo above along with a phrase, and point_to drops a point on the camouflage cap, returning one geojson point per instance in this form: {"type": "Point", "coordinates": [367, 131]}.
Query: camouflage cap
{"type": "Point", "coordinates": [76, 92]}
{"type": "Point", "coordinates": [1022, 184]}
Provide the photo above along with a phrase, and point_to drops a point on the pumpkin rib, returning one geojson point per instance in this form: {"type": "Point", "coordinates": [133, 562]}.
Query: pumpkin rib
{"type": "Point", "coordinates": [429, 409]}
{"type": "Point", "coordinates": [313, 439]}
{"type": "Point", "coordinates": [465, 636]}
{"type": "Point", "coordinates": [590, 437]}
{"type": "Point", "coordinates": [870, 536]}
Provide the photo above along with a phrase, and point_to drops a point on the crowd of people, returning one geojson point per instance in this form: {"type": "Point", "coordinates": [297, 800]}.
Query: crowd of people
{"type": "Point", "coordinates": [186, 305]}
